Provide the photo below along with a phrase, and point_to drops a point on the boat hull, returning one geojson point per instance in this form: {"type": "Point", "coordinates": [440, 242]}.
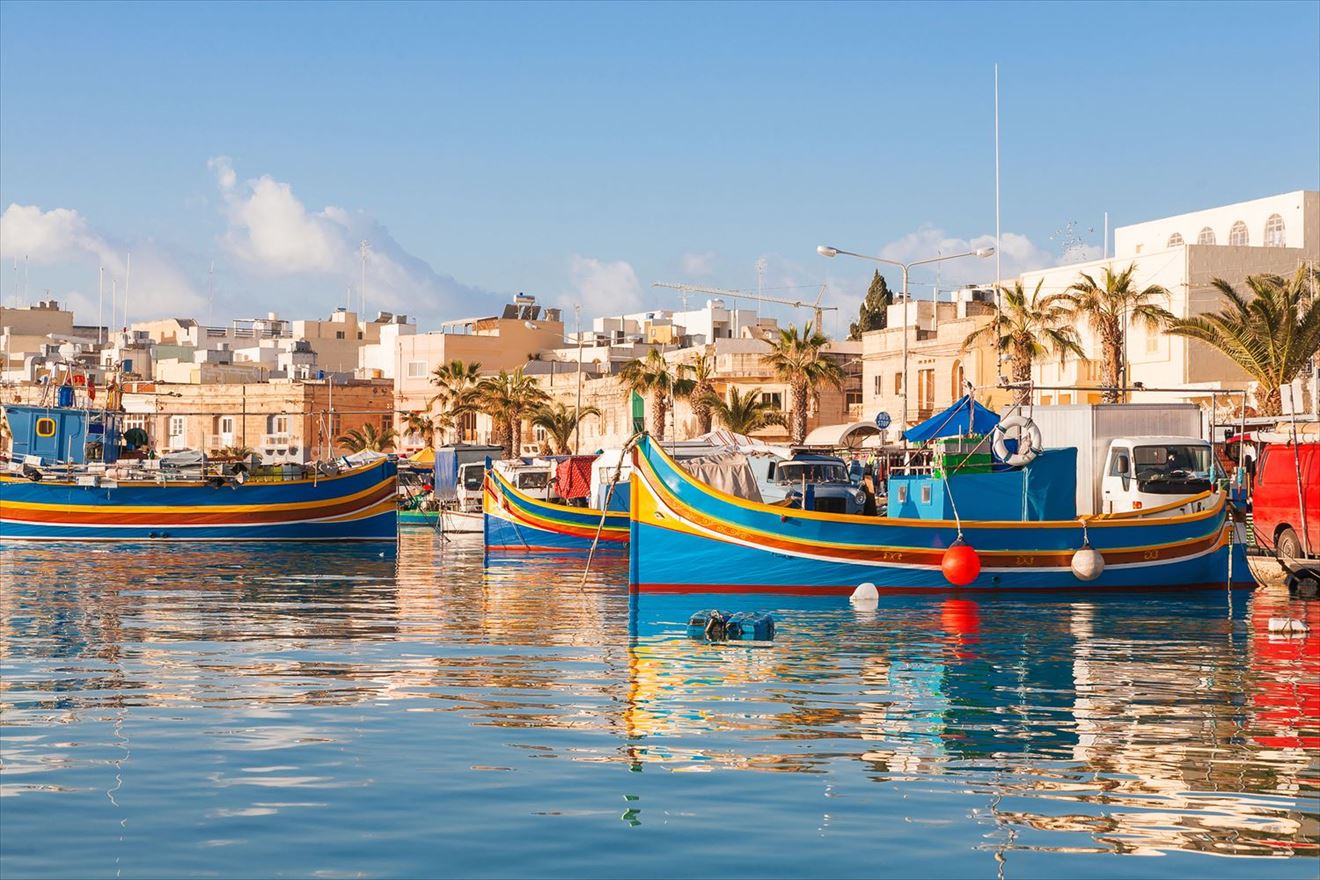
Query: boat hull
{"type": "Point", "coordinates": [516, 523]}
{"type": "Point", "coordinates": [357, 505]}
{"type": "Point", "coordinates": [686, 536]}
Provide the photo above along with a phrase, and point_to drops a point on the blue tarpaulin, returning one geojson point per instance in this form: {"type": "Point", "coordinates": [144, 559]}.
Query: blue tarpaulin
{"type": "Point", "coordinates": [964, 417]}
{"type": "Point", "coordinates": [446, 474]}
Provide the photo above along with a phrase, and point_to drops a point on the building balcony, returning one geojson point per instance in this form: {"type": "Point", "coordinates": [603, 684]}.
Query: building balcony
{"type": "Point", "coordinates": [272, 440]}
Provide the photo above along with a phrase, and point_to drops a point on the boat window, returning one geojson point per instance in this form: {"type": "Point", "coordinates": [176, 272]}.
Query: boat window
{"type": "Point", "coordinates": [534, 480]}
{"type": "Point", "coordinates": [1174, 459]}
{"type": "Point", "coordinates": [472, 478]}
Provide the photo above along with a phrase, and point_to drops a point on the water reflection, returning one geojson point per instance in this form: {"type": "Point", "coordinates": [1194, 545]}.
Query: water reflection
{"type": "Point", "coordinates": [1146, 725]}
{"type": "Point", "coordinates": [1115, 725]}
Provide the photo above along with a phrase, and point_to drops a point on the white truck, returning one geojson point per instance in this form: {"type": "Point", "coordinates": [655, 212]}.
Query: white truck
{"type": "Point", "coordinates": [1132, 456]}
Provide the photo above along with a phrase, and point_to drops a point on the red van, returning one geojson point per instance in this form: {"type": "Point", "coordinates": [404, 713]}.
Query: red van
{"type": "Point", "coordinates": [1274, 501]}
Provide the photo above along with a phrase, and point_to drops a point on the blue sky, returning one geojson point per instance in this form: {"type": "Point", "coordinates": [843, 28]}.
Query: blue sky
{"type": "Point", "coordinates": [582, 151]}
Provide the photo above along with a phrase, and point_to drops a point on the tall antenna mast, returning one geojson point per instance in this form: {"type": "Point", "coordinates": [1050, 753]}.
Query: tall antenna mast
{"type": "Point", "coordinates": [100, 304]}
{"type": "Point", "coordinates": [128, 270]}
{"type": "Point", "coordinates": [362, 291]}
{"type": "Point", "coordinates": [760, 283]}
{"type": "Point", "coordinates": [999, 274]}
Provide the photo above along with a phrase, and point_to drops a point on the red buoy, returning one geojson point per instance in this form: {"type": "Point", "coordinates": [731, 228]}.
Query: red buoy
{"type": "Point", "coordinates": [961, 564]}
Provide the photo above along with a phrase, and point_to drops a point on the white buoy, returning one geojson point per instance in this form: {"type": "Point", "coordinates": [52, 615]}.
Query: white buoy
{"type": "Point", "coordinates": [1288, 625]}
{"type": "Point", "coordinates": [1087, 563]}
{"type": "Point", "coordinates": [865, 595]}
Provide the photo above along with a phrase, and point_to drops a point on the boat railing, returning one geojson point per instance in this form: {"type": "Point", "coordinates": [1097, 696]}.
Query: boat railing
{"type": "Point", "coordinates": [151, 471]}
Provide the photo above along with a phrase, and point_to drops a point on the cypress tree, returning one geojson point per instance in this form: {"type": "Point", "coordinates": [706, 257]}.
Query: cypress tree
{"type": "Point", "coordinates": [872, 314]}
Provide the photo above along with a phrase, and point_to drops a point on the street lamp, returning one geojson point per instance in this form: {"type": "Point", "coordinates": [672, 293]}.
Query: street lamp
{"type": "Point", "coordinates": [577, 413]}
{"type": "Point", "coordinates": [826, 251]}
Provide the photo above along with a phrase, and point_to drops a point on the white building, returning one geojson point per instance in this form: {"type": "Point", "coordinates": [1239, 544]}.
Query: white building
{"type": "Point", "coordinates": [686, 328]}
{"type": "Point", "coordinates": [1185, 254]}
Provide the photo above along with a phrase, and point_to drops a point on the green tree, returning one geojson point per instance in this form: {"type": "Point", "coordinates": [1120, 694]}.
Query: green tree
{"type": "Point", "coordinates": [702, 368]}
{"type": "Point", "coordinates": [423, 425]}
{"type": "Point", "coordinates": [654, 377]}
{"type": "Point", "coordinates": [367, 438]}
{"type": "Point", "coordinates": [873, 314]}
{"type": "Point", "coordinates": [561, 423]}
{"type": "Point", "coordinates": [508, 398]}
{"type": "Point", "coordinates": [1029, 328]}
{"type": "Point", "coordinates": [797, 357]}
{"type": "Point", "coordinates": [1110, 305]}
{"type": "Point", "coordinates": [1272, 336]}
{"type": "Point", "coordinates": [744, 413]}
{"type": "Point", "coordinates": [455, 384]}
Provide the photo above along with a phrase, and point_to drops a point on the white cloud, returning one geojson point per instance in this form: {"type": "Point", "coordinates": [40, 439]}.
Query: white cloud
{"type": "Point", "coordinates": [62, 236]}
{"type": "Point", "coordinates": [699, 265]}
{"type": "Point", "coordinates": [1017, 254]}
{"type": "Point", "coordinates": [603, 288]}
{"type": "Point", "coordinates": [48, 237]}
{"type": "Point", "coordinates": [273, 233]}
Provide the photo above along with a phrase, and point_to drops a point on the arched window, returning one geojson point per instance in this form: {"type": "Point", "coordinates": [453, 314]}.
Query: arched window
{"type": "Point", "coordinates": [1175, 240]}
{"type": "Point", "coordinates": [1205, 236]}
{"type": "Point", "coordinates": [1274, 236]}
{"type": "Point", "coordinates": [1238, 234]}
{"type": "Point", "coordinates": [958, 378]}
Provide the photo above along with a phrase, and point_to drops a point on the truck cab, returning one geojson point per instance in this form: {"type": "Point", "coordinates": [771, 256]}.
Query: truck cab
{"type": "Point", "coordinates": [825, 475]}
{"type": "Point", "coordinates": [1141, 473]}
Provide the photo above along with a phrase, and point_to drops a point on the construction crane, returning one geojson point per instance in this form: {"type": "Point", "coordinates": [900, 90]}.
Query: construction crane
{"type": "Point", "coordinates": [816, 307]}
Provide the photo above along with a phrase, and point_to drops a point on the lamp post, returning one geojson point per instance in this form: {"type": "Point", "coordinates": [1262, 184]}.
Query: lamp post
{"type": "Point", "coordinates": [827, 251]}
{"type": "Point", "coordinates": [577, 424]}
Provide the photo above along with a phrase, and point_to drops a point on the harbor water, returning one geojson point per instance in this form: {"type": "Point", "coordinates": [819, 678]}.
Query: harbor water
{"type": "Point", "coordinates": [245, 710]}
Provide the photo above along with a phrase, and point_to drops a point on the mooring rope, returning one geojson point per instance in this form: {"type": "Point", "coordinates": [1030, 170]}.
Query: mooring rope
{"type": "Point", "coordinates": [605, 508]}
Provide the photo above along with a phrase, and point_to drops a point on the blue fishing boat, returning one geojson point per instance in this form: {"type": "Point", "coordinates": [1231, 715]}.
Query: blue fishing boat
{"type": "Point", "coordinates": [53, 491]}
{"type": "Point", "coordinates": [689, 536]}
{"type": "Point", "coordinates": [517, 522]}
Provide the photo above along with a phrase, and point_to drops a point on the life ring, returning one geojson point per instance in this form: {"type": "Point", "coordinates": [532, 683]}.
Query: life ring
{"type": "Point", "coordinates": [1027, 434]}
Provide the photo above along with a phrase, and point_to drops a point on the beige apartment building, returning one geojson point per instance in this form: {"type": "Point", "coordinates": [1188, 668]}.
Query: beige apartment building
{"type": "Point", "coordinates": [739, 363]}
{"type": "Point", "coordinates": [295, 421]}
{"type": "Point", "coordinates": [937, 369]}
{"type": "Point", "coordinates": [496, 342]}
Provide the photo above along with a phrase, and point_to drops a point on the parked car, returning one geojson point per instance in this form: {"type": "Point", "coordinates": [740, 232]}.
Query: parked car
{"type": "Point", "coordinates": [1278, 508]}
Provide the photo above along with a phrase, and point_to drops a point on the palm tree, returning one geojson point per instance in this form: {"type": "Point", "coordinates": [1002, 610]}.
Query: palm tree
{"type": "Point", "coordinates": [561, 423]}
{"type": "Point", "coordinates": [421, 424]}
{"type": "Point", "coordinates": [744, 413]}
{"type": "Point", "coordinates": [1028, 329]}
{"type": "Point", "coordinates": [1107, 307]}
{"type": "Point", "coordinates": [796, 357]}
{"type": "Point", "coordinates": [367, 438]}
{"type": "Point", "coordinates": [654, 376]}
{"type": "Point", "coordinates": [455, 383]}
{"type": "Point", "coordinates": [702, 367]}
{"type": "Point", "coordinates": [507, 398]}
{"type": "Point", "coordinates": [1271, 336]}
